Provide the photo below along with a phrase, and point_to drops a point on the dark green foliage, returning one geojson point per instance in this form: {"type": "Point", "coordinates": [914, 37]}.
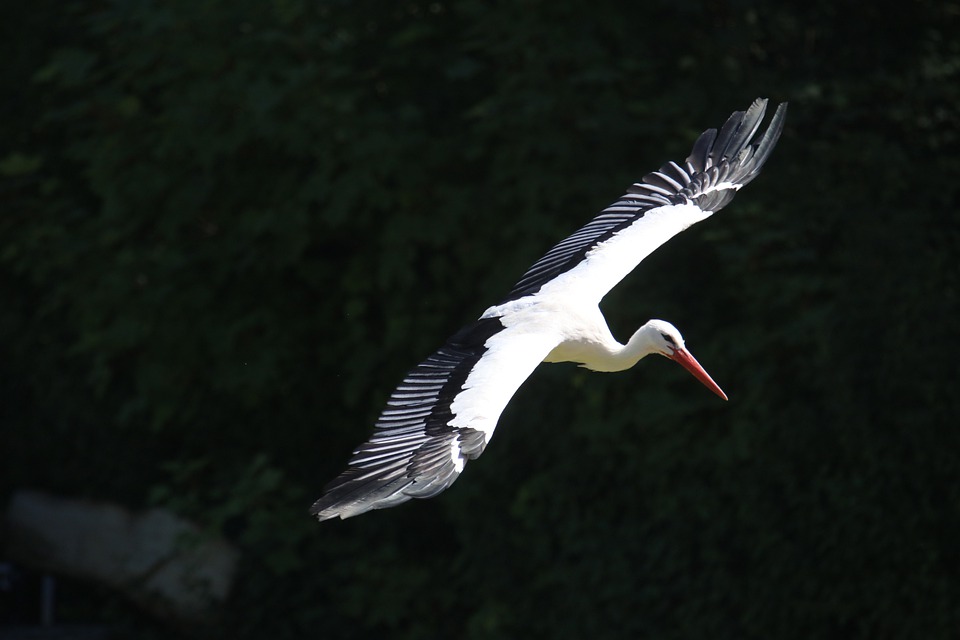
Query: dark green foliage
{"type": "Point", "coordinates": [228, 228]}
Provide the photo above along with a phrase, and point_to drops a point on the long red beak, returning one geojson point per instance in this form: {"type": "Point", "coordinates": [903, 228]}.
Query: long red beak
{"type": "Point", "coordinates": [688, 362]}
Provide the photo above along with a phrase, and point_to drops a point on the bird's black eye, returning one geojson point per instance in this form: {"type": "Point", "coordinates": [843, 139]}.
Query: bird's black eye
{"type": "Point", "coordinates": [669, 339]}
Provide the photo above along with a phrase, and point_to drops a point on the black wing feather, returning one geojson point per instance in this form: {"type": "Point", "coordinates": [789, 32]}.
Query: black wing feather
{"type": "Point", "coordinates": [408, 455]}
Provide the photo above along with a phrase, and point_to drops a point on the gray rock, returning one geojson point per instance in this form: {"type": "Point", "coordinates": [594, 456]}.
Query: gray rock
{"type": "Point", "coordinates": [163, 563]}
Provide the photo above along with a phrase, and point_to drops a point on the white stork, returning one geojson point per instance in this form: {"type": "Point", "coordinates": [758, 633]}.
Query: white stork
{"type": "Point", "coordinates": [445, 410]}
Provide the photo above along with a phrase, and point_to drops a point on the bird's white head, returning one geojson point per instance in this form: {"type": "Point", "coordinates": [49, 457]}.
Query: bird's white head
{"type": "Point", "coordinates": [666, 340]}
{"type": "Point", "coordinates": [665, 337]}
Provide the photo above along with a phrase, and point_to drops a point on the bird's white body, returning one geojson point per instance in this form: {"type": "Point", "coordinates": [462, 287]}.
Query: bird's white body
{"type": "Point", "coordinates": [446, 409]}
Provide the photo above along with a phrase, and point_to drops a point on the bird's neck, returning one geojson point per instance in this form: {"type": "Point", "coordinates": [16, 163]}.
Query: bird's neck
{"type": "Point", "coordinates": [619, 357]}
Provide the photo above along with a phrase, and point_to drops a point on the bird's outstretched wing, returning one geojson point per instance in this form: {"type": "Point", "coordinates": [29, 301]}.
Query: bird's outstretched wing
{"type": "Point", "coordinates": [441, 415]}
{"type": "Point", "coordinates": [601, 253]}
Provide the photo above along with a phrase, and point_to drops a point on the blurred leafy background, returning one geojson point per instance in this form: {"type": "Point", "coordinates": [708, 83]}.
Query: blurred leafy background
{"type": "Point", "coordinates": [228, 228]}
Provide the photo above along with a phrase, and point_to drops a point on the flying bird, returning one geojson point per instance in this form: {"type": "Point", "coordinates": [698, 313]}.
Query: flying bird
{"type": "Point", "coordinates": [446, 409]}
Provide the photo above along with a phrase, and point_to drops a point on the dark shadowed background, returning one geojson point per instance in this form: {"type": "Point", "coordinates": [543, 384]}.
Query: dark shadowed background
{"type": "Point", "coordinates": [227, 229]}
